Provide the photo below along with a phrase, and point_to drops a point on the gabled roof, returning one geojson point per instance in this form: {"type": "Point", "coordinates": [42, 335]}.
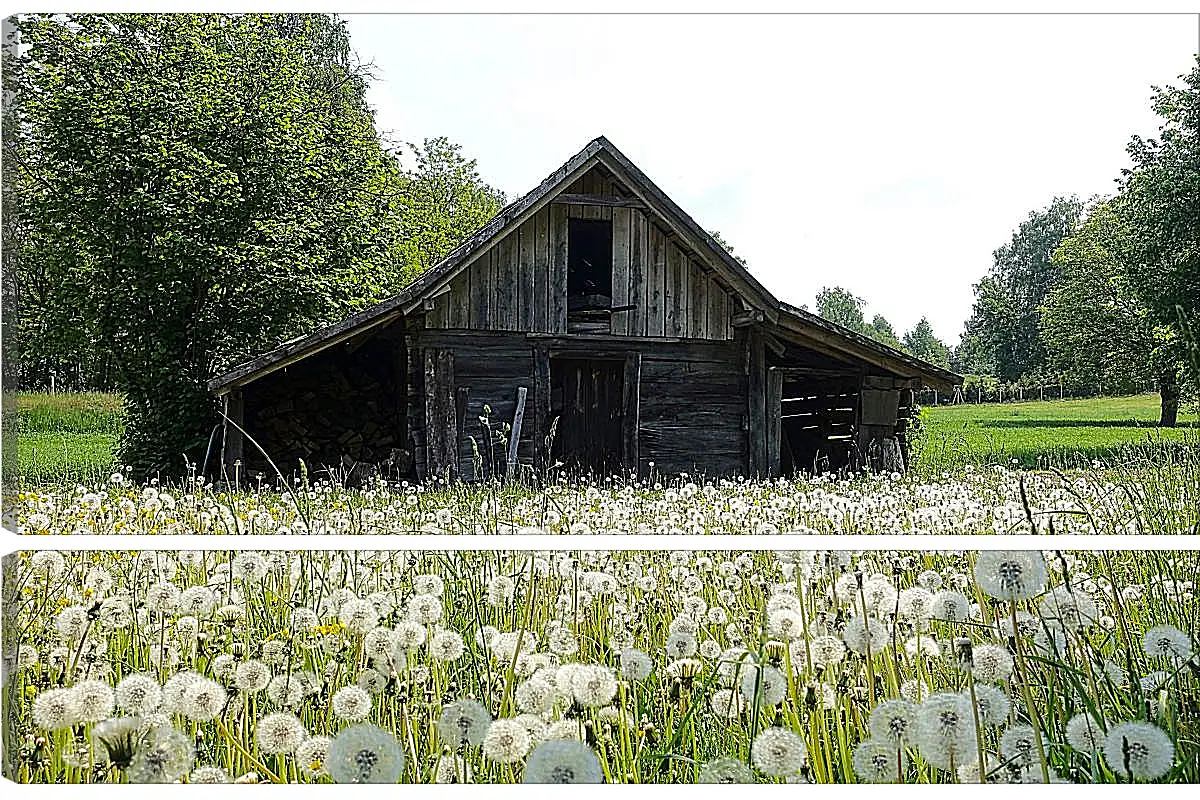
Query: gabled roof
{"type": "Point", "coordinates": [598, 151]}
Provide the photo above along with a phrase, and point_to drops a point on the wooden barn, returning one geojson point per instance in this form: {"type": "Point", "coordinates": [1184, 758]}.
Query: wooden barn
{"type": "Point", "coordinates": [607, 328]}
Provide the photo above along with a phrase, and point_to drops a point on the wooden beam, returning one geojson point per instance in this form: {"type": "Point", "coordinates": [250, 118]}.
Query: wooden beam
{"type": "Point", "coordinates": [233, 443]}
{"type": "Point", "coordinates": [774, 345]}
{"type": "Point", "coordinates": [462, 396]}
{"type": "Point", "coordinates": [631, 419]}
{"type": "Point", "coordinates": [441, 435]}
{"type": "Point", "coordinates": [774, 420]}
{"type": "Point", "coordinates": [598, 200]}
{"type": "Point", "coordinates": [514, 438]}
{"type": "Point", "coordinates": [743, 319]}
{"type": "Point", "coordinates": [757, 400]}
{"type": "Point", "coordinates": [817, 372]}
{"type": "Point", "coordinates": [541, 408]}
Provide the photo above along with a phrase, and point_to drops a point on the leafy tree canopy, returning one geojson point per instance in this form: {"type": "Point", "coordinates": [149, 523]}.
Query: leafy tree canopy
{"type": "Point", "coordinates": [1159, 202]}
{"type": "Point", "coordinates": [1004, 323]}
{"type": "Point", "coordinates": [841, 307]}
{"type": "Point", "coordinates": [194, 188]}
{"type": "Point", "coordinates": [922, 343]}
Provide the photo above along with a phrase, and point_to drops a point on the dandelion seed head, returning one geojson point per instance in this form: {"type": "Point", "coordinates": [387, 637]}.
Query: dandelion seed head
{"type": "Point", "coordinates": [946, 730]}
{"type": "Point", "coordinates": [1085, 734]}
{"type": "Point", "coordinates": [209, 774]}
{"type": "Point", "coordinates": [950, 606]}
{"type": "Point", "coordinates": [878, 762]}
{"type": "Point", "coordinates": [1018, 745]}
{"type": "Point", "coordinates": [506, 741]}
{"type": "Point", "coordinates": [364, 753]}
{"type": "Point", "coordinates": [763, 684]}
{"type": "Point", "coordinates": [351, 704]}
{"type": "Point", "coordinates": [1146, 748]}
{"type": "Point", "coordinates": [1011, 575]}
{"type": "Point", "coordinates": [164, 756]}
{"type": "Point", "coordinates": [636, 665]}
{"type": "Point", "coordinates": [464, 722]}
{"type": "Point", "coordinates": [563, 761]}
{"type": "Point", "coordinates": [251, 676]}
{"type": "Point", "coordinates": [991, 663]}
{"type": "Point", "coordinates": [778, 752]}
{"type": "Point", "coordinates": [311, 754]}
{"type": "Point", "coordinates": [993, 704]}
{"type": "Point", "coordinates": [894, 722]}
{"type": "Point", "coordinates": [279, 733]}
{"type": "Point", "coordinates": [446, 646]}
{"type": "Point", "coordinates": [203, 700]}
{"type": "Point", "coordinates": [1167, 641]}
{"type": "Point", "coordinates": [725, 769]}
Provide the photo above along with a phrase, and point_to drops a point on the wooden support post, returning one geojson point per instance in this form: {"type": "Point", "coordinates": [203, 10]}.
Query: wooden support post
{"type": "Point", "coordinates": [631, 413]}
{"type": "Point", "coordinates": [461, 397]}
{"type": "Point", "coordinates": [757, 411]}
{"type": "Point", "coordinates": [234, 442]}
{"type": "Point", "coordinates": [514, 438]}
{"type": "Point", "coordinates": [541, 408]}
{"type": "Point", "coordinates": [441, 423]}
{"type": "Point", "coordinates": [774, 420]}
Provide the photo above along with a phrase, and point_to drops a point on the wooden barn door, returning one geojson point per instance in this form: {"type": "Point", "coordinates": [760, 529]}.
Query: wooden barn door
{"type": "Point", "coordinates": [589, 398]}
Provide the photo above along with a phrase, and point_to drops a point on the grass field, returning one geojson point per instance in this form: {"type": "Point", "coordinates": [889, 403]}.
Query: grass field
{"type": "Point", "coordinates": [67, 437]}
{"type": "Point", "coordinates": [72, 438]}
{"type": "Point", "coordinates": [1048, 433]}
{"type": "Point", "coordinates": [616, 667]}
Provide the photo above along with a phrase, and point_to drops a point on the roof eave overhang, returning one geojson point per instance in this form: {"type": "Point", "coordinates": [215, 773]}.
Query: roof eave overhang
{"type": "Point", "coordinates": [792, 324]}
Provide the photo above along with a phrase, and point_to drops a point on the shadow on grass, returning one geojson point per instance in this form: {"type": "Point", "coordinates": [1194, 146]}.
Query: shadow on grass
{"type": "Point", "coordinates": [1033, 422]}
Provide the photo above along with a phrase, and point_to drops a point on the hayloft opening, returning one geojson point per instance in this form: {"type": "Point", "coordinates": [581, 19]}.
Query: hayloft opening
{"type": "Point", "coordinates": [589, 264]}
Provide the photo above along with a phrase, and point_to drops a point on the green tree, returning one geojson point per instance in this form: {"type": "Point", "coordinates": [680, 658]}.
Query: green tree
{"type": "Point", "coordinates": [1004, 327]}
{"type": "Point", "coordinates": [196, 187]}
{"type": "Point", "coordinates": [443, 201]}
{"type": "Point", "coordinates": [841, 307]}
{"type": "Point", "coordinates": [1160, 203]}
{"type": "Point", "coordinates": [882, 331]}
{"type": "Point", "coordinates": [1093, 322]}
{"type": "Point", "coordinates": [922, 343]}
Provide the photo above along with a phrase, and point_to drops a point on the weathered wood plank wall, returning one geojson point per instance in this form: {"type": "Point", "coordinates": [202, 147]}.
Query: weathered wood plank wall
{"type": "Point", "coordinates": [667, 426]}
{"type": "Point", "coordinates": [519, 284]}
{"type": "Point", "coordinates": [677, 433]}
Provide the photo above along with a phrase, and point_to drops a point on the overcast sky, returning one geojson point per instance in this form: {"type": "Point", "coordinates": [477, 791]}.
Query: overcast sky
{"type": "Point", "coordinates": [887, 154]}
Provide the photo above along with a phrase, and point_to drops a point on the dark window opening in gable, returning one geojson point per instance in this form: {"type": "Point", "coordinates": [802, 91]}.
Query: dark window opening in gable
{"type": "Point", "coordinates": [589, 264]}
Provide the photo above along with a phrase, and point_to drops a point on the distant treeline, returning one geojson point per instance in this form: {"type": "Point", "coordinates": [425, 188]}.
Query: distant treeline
{"type": "Point", "coordinates": [1095, 297]}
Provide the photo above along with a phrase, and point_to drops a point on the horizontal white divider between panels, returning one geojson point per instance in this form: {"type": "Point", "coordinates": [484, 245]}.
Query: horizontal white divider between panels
{"type": "Point", "coordinates": [603, 542]}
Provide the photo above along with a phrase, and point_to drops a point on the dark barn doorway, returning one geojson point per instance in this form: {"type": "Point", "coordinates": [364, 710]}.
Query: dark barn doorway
{"type": "Point", "coordinates": [588, 398]}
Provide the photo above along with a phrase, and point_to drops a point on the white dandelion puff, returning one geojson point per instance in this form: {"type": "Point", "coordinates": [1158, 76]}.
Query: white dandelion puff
{"type": "Point", "coordinates": [464, 722]}
{"type": "Point", "coordinates": [1138, 749]}
{"type": "Point", "coordinates": [879, 762]}
{"type": "Point", "coordinates": [364, 753]}
{"type": "Point", "coordinates": [1011, 575]}
{"type": "Point", "coordinates": [778, 752]}
{"type": "Point", "coordinates": [563, 761]}
{"type": "Point", "coordinates": [506, 741]}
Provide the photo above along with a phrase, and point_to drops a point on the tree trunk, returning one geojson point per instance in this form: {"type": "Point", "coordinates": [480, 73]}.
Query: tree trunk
{"type": "Point", "coordinates": [1168, 390]}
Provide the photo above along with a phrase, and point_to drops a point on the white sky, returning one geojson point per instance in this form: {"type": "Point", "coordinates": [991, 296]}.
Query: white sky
{"type": "Point", "coordinates": [887, 154]}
